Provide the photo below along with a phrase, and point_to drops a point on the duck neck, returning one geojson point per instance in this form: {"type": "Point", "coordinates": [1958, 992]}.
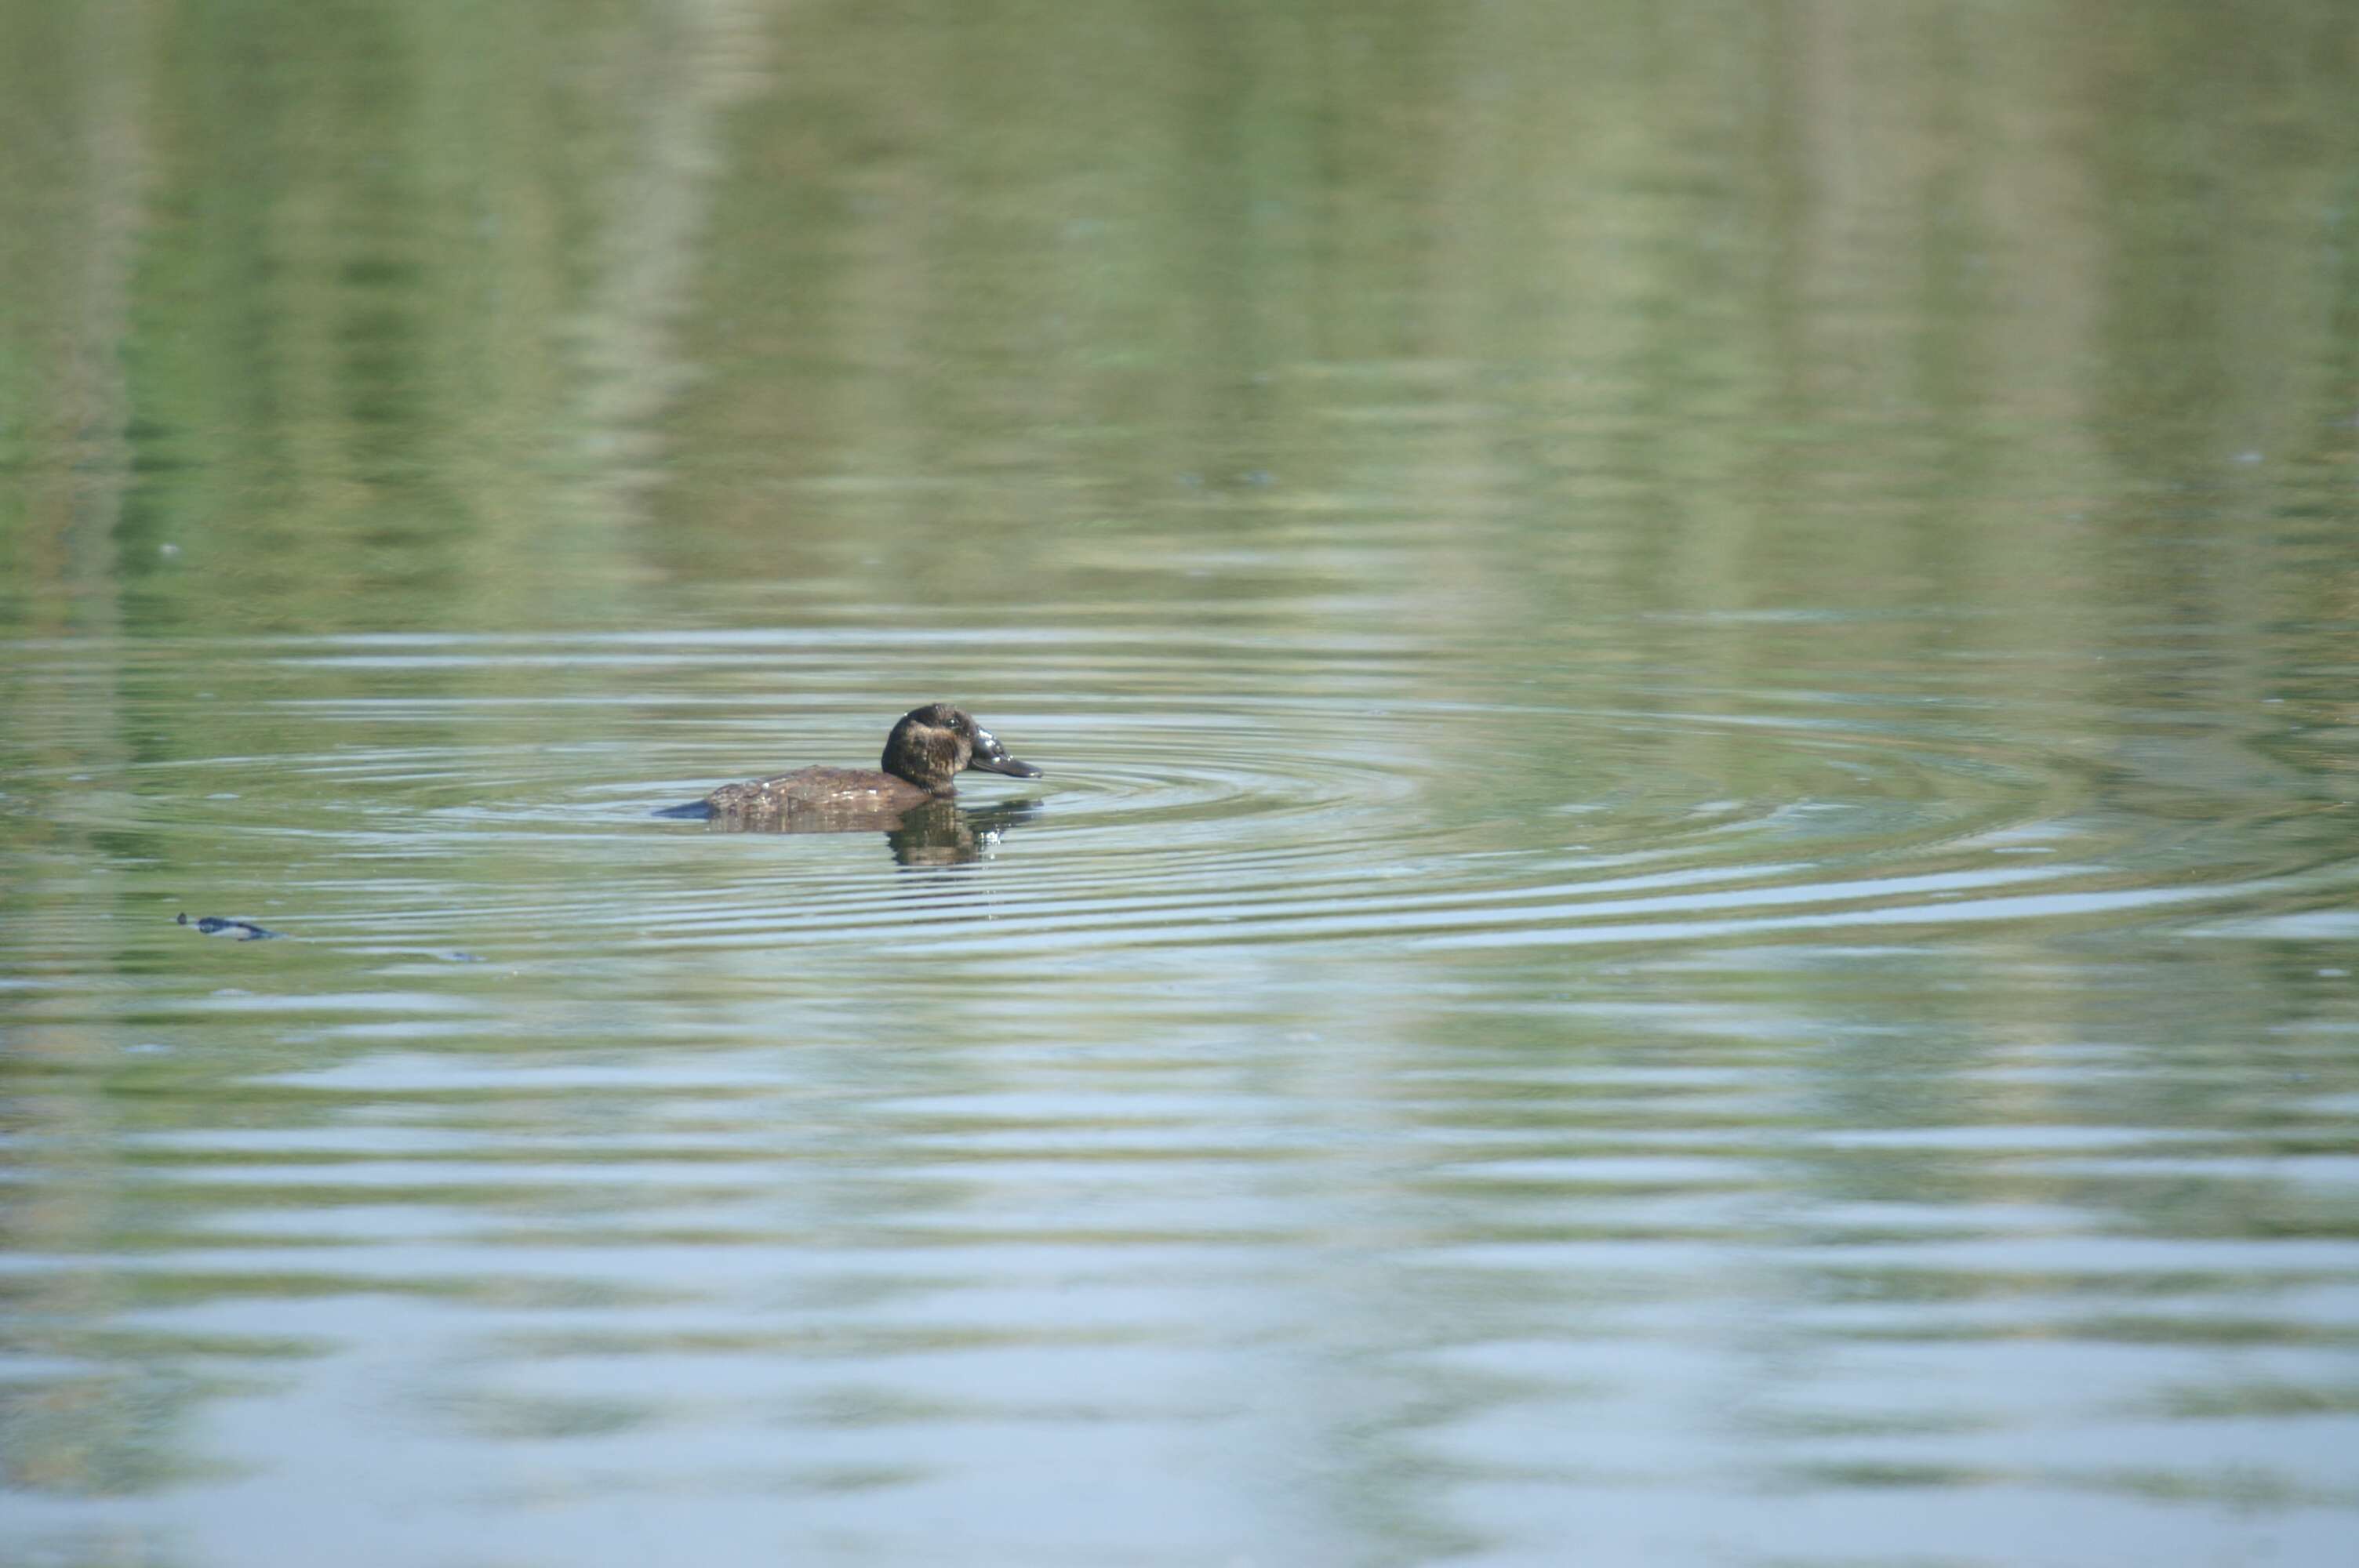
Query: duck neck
{"type": "Point", "coordinates": [929, 760]}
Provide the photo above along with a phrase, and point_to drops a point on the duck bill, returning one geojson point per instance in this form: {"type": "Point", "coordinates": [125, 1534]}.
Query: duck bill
{"type": "Point", "coordinates": [991, 757]}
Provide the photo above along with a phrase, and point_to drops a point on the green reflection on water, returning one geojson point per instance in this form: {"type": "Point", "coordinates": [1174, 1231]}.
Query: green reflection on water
{"type": "Point", "coordinates": [454, 316]}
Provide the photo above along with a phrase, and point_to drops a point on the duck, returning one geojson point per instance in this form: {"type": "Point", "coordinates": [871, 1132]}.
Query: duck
{"type": "Point", "coordinates": [927, 750]}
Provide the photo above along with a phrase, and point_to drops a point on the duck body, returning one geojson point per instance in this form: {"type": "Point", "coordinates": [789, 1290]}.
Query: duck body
{"type": "Point", "coordinates": [849, 791]}
{"type": "Point", "coordinates": [923, 757]}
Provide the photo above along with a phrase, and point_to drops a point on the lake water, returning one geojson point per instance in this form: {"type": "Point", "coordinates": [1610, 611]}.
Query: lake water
{"type": "Point", "coordinates": [1696, 893]}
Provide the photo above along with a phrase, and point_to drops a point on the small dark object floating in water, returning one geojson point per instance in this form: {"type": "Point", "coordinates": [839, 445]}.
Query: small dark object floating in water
{"type": "Point", "coordinates": [236, 930]}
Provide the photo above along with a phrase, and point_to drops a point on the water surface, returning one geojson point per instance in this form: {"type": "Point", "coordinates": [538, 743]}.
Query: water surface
{"type": "Point", "coordinates": [1694, 896]}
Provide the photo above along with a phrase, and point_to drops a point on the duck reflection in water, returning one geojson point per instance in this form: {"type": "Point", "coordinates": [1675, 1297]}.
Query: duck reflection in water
{"type": "Point", "coordinates": [912, 799]}
{"type": "Point", "coordinates": [941, 833]}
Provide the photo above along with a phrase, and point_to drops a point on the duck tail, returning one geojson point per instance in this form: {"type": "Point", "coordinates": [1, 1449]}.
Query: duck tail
{"type": "Point", "coordinates": [695, 811]}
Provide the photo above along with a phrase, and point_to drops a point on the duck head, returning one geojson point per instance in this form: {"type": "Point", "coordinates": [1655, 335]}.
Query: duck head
{"type": "Point", "coordinates": [931, 744]}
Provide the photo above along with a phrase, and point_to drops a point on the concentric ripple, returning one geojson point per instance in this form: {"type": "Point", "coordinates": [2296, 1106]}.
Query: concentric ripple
{"type": "Point", "coordinates": [423, 801]}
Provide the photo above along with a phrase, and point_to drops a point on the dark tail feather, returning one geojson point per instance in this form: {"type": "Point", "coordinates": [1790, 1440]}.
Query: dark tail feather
{"type": "Point", "coordinates": [695, 811]}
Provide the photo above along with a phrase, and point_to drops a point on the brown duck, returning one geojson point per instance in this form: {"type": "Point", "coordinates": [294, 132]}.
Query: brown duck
{"type": "Point", "coordinates": [923, 757]}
